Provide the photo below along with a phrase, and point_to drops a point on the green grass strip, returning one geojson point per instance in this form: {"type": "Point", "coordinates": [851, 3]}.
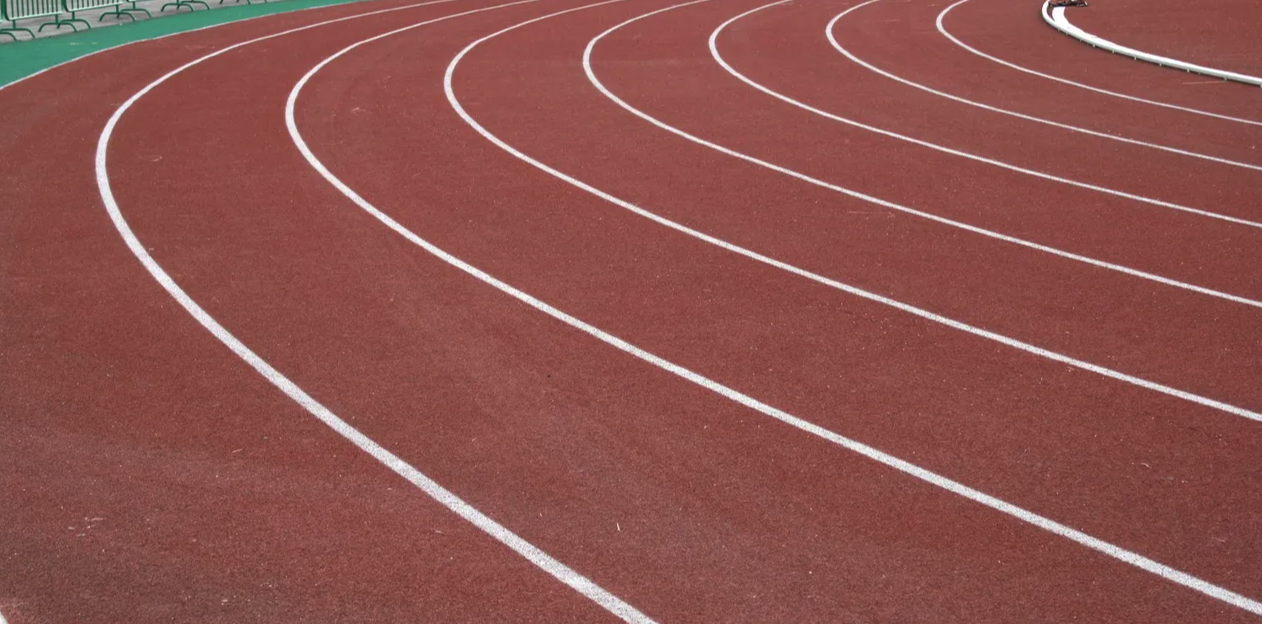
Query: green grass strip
{"type": "Point", "coordinates": [21, 59]}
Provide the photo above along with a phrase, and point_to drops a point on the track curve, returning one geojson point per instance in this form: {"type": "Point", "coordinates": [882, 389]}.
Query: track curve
{"type": "Point", "coordinates": [947, 33]}
{"type": "Point", "coordinates": [1157, 137]}
{"type": "Point", "coordinates": [181, 473]}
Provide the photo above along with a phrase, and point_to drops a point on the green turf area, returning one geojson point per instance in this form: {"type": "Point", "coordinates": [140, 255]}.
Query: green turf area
{"type": "Point", "coordinates": [24, 58]}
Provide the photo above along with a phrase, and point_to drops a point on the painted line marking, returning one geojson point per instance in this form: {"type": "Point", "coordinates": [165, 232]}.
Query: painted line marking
{"type": "Point", "coordinates": [942, 29]}
{"type": "Point", "coordinates": [899, 207]}
{"type": "Point", "coordinates": [828, 31]}
{"type": "Point", "coordinates": [1101, 546]}
{"type": "Point", "coordinates": [448, 499]}
{"type": "Point", "coordinates": [847, 288]}
{"type": "Point", "coordinates": [1062, 23]}
{"type": "Point", "coordinates": [954, 152]}
{"type": "Point", "coordinates": [990, 161]}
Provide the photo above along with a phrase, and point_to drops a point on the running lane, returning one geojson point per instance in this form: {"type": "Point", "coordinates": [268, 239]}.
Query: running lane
{"type": "Point", "coordinates": [672, 497]}
{"type": "Point", "coordinates": [1014, 32]}
{"type": "Point", "coordinates": [1222, 34]}
{"type": "Point", "coordinates": [902, 38]}
{"type": "Point", "coordinates": [650, 489]}
{"type": "Point", "coordinates": [1062, 442]}
{"type": "Point", "coordinates": [1057, 303]}
{"type": "Point", "coordinates": [146, 473]}
{"type": "Point", "coordinates": [777, 47]}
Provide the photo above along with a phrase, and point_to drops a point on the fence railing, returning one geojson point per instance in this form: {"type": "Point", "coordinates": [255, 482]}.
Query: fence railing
{"type": "Point", "coordinates": [74, 6]}
{"type": "Point", "coordinates": [185, 3]}
{"type": "Point", "coordinates": [13, 10]}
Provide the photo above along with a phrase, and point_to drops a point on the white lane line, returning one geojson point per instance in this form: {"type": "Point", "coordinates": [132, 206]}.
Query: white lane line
{"type": "Point", "coordinates": [1161, 570]}
{"type": "Point", "coordinates": [448, 499]}
{"type": "Point", "coordinates": [1058, 21]}
{"type": "Point", "coordinates": [942, 29]}
{"type": "Point", "coordinates": [954, 152]}
{"type": "Point", "coordinates": [847, 288]}
{"type": "Point", "coordinates": [2, 619]}
{"type": "Point", "coordinates": [828, 30]}
{"type": "Point", "coordinates": [591, 76]}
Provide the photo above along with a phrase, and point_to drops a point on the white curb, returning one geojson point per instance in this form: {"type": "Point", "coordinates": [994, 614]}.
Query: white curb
{"type": "Point", "coordinates": [1056, 18]}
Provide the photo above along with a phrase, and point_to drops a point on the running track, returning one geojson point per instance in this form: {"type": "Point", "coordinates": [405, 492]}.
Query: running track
{"type": "Point", "coordinates": [729, 358]}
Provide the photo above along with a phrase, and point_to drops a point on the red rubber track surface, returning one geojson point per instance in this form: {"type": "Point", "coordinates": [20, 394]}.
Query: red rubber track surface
{"type": "Point", "coordinates": [1017, 34]}
{"type": "Point", "coordinates": [950, 269]}
{"type": "Point", "coordinates": [880, 34]}
{"type": "Point", "coordinates": [148, 475]}
{"type": "Point", "coordinates": [151, 476]}
{"type": "Point", "coordinates": [1222, 34]}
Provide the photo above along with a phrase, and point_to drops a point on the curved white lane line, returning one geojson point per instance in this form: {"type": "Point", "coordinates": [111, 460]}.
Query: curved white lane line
{"type": "Point", "coordinates": [448, 499]}
{"type": "Point", "coordinates": [1057, 19]}
{"type": "Point", "coordinates": [828, 30]}
{"type": "Point", "coordinates": [847, 288]}
{"type": "Point", "coordinates": [942, 29]}
{"type": "Point", "coordinates": [591, 76]}
{"type": "Point", "coordinates": [954, 152]}
{"type": "Point", "coordinates": [1161, 570]}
